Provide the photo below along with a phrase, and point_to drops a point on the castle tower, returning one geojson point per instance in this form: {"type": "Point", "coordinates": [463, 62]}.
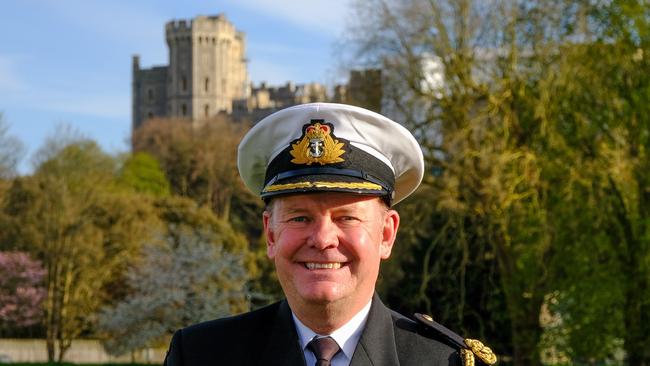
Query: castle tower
{"type": "Point", "coordinates": [207, 67]}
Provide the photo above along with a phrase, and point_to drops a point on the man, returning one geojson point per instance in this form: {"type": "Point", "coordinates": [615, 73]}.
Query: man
{"type": "Point", "coordinates": [329, 174]}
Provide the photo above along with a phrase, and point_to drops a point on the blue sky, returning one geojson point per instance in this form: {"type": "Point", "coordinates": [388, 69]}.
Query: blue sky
{"type": "Point", "coordinates": [68, 62]}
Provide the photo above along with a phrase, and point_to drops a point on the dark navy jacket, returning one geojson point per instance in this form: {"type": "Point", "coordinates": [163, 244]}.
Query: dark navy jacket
{"type": "Point", "coordinates": [268, 337]}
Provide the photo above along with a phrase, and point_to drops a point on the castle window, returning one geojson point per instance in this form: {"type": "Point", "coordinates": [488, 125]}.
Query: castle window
{"type": "Point", "coordinates": [184, 83]}
{"type": "Point", "coordinates": [183, 110]}
{"type": "Point", "coordinates": [150, 115]}
{"type": "Point", "coordinates": [207, 110]}
{"type": "Point", "coordinates": [207, 84]}
{"type": "Point", "coordinates": [150, 94]}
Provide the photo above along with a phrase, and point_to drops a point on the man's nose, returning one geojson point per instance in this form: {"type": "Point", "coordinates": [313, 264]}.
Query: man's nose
{"type": "Point", "coordinates": [324, 234]}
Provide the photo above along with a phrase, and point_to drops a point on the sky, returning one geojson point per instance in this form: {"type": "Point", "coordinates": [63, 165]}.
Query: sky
{"type": "Point", "coordinates": [67, 63]}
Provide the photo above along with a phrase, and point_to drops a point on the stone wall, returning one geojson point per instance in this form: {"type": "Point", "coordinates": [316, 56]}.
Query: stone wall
{"type": "Point", "coordinates": [81, 351]}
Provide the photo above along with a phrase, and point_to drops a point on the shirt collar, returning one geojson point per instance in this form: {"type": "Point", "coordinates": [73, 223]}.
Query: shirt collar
{"type": "Point", "coordinates": [346, 337]}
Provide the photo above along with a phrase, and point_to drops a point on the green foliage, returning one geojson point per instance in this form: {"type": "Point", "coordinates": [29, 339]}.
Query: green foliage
{"type": "Point", "coordinates": [200, 163]}
{"type": "Point", "coordinates": [540, 128]}
{"type": "Point", "coordinates": [70, 216]}
{"type": "Point", "coordinates": [87, 215]}
{"type": "Point", "coordinates": [142, 172]}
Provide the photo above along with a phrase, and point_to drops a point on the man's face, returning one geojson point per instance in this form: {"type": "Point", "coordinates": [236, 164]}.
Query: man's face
{"type": "Point", "coordinates": [327, 246]}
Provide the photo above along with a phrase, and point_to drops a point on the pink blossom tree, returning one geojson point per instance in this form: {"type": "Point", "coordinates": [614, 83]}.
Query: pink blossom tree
{"type": "Point", "coordinates": [21, 289]}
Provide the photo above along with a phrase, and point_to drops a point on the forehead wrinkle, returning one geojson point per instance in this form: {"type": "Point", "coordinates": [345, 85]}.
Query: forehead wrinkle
{"type": "Point", "coordinates": [293, 204]}
{"type": "Point", "coordinates": [292, 210]}
{"type": "Point", "coordinates": [322, 206]}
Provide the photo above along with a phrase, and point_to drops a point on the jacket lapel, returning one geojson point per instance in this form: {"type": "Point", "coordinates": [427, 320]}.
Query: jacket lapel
{"type": "Point", "coordinates": [283, 347]}
{"type": "Point", "coordinates": [377, 344]}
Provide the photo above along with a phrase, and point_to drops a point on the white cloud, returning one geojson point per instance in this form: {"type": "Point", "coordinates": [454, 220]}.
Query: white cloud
{"type": "Point", "coordinates": [325, 16]}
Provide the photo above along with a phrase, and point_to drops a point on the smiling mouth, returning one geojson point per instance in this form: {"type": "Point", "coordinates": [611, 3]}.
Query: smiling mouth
{"type": "Point", "coordinates": [333, 265]}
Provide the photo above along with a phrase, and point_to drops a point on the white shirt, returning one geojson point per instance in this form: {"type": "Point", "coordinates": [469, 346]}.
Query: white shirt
{"type": "Point", "coordinates": [346, 337]}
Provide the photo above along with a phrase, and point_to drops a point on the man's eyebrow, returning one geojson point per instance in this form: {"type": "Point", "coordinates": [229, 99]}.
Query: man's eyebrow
{"type": "Point", "coordinates": [293, 209]}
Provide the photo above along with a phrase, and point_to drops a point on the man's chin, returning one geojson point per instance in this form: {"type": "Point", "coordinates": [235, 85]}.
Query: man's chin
{"type": "Point", "coordinates": [325, 296]}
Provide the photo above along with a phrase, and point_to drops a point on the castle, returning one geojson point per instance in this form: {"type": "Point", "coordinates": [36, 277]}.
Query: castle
{"type": "Point", "coordinates": [207, 70]}
{"type": "Point", "coordinates": [207, 75]}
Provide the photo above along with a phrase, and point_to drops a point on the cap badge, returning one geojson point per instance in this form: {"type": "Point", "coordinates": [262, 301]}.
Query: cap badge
{"type": "Point", "coordinates": [317, 146]}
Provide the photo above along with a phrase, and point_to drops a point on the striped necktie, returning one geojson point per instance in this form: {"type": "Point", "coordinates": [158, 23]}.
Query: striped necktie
{"type": "Point", "coordinates": [324, 349]}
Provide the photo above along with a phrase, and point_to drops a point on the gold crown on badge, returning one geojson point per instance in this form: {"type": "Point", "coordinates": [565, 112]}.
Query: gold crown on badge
{"type": "Point", "coordinates": [317, 146]}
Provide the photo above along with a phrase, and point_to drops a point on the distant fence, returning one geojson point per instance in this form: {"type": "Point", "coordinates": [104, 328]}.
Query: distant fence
{"type": "Point", "coordinates": [81, 351]}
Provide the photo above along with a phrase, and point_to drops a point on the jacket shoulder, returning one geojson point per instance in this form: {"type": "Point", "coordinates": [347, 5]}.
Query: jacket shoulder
{"type": "Point", "coordinates": [233, 325]}
{"type": "Point", "coordinates": [415, 347]}
{"type": "Point", "coordinates": [471, 351]}
{"type": "Point", "coordinates": [195, 344]}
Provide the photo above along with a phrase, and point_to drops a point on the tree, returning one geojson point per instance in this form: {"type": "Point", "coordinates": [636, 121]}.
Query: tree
{"type": "Point", "coordinates": [200, 162]}
{"type": "Point", "coordinates": [532, 116]}
{"type": "Point", "coordinates": [11, 151]}
{"type": "Point", "coordinates": [187, 278]}
{"type": "Point", "coordinates": [608, 126]}
{"type": "Point", "coordinates": [70, 216]}
{"type": "Point", "coordinates": [21, 290]}
{"type": "Point", "coordinates": [452, 76]}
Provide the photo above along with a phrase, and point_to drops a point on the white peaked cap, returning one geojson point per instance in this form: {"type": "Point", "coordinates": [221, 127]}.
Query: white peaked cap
{"type": "Point", "coordinates": [330, 147]}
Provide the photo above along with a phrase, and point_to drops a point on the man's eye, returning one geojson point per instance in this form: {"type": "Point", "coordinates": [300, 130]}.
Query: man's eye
{"type": "Point", "coordinates": [348, 218]}
{"type": "Point", "coordinates": [298, 219]}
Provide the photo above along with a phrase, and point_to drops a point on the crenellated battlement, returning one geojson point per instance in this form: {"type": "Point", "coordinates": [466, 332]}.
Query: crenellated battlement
{"type": "Point", "coordinates": [179, 26]}
{"type": "Point", "coordinates": [214, 23]}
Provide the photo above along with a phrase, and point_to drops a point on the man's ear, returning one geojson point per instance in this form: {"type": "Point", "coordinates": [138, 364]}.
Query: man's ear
{"type": "Point", "coordinates": [389, 233]}
{"type": "Point", "coordinates": [269, 234]}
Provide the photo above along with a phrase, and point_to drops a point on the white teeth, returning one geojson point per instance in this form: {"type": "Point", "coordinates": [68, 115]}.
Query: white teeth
{"type": "Point", "coordinates": [310, 265]}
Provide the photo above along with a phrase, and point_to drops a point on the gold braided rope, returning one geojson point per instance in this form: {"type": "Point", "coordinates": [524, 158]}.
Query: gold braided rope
{"type": "Point", "coordinates": [483, 352]}
{"type": "Point", "coordinates": [343, 185]}
{"type": "Point", "coordinates": [467, 357]}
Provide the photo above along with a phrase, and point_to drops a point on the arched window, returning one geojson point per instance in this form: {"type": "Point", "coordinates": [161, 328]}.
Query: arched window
{"type": "Point", "coordinates": [183, 83]}
{"type": "Point", "coordinates": [206, 109]}
{"type": "Point", "coordinates": [150, 94]}
{"type": "Point", "coordinates": [183, 110]}
{"type": "Point", "coordinates": [207, 84]}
